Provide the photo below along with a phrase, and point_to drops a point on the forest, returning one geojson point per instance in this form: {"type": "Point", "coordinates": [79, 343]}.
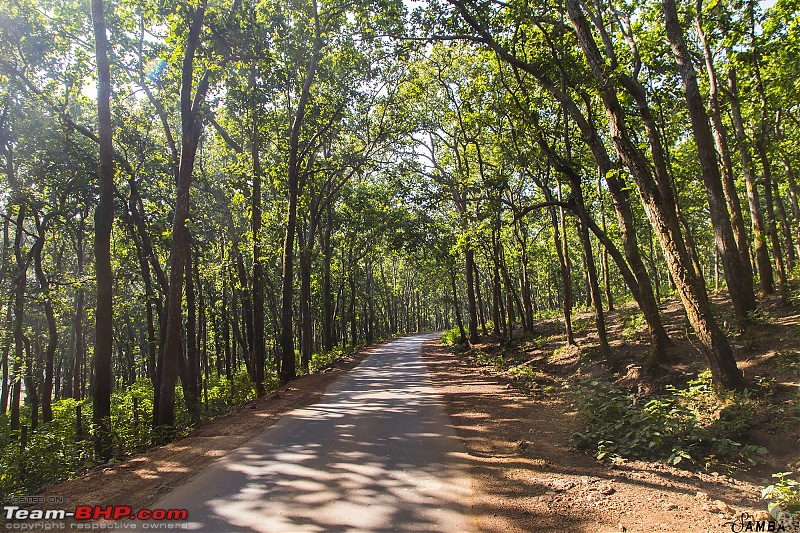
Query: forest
{"type": "Point", "coordinates": [202, 200]}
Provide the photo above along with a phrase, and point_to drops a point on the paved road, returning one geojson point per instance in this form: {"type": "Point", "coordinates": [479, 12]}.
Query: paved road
{"type": "Point", "coordinates": [377, 453]}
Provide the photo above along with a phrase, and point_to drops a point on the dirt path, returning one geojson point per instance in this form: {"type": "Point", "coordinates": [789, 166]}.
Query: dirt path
{"type": "Point", "coordinates": [526, 476]}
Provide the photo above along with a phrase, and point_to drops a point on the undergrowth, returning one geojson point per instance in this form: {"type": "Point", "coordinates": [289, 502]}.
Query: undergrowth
{"type": "Point", "coordinates": [63, 448]}
{"type": "Point", "coordinates": [691, 427]}
{"type": "Point", "coordinates": [783, 495]}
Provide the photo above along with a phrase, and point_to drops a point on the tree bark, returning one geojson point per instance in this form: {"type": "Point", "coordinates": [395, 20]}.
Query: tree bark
{"type": "Point", "coordinates": [190, 388]}
{"type": "Point", "coordinates": [659, 203]}
{"type": "Point", "coordinates": [793, 197]}
{"type": "Point", "coordinates": [472, 311]}
{"type": "Point", "coordinates": [327, 296]}
{"type": "Point", "coordinates": [191, 126]}
{"type": "Point", "coordinates": [739, 283]}
{"type": "Point", "coordinates": [103, 222]}
{"type": "Point", "coordinates": [723, 149]}
{"type": "Point", "coordinates": [20, 285]}
{"type": "Point", "coordinates": [259, 356]}
{"type": "Point", "coordinates": [288, 364]}
{"type": "Point", "coordinates": [52, 328]}
{"type": "Point", "coordinates": [765, 274]}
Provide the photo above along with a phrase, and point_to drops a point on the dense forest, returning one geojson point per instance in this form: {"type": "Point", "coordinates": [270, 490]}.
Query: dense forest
{"type": "Point", "coordinates": [203, 200]}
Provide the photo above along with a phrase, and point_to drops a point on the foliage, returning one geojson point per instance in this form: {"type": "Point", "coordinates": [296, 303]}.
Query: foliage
{"type": "Point", "coordinates": [632, 323]}
{"type": "Point", "coordinates": [783, 495]}
{"type": "Point", "coordinates": [485, 359]}
{"type": "Point", "coordinates": [53, 453]}
{"type": "Point", "coordinates": [691, 426]}
{"type": "Point", "coordinates": [451, 337]}
{"type": "Point", "coordinates": [522, 371]}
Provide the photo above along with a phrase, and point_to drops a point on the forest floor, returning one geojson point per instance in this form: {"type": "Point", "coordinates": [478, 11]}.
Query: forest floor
{"type": "Point", "coordinates": [527, 474]}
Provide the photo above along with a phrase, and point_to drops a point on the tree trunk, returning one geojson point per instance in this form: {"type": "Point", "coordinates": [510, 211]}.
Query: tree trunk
{"type": "Point", "coordinates": [772, 226]}
{"type": "Point", "coordinates": [191, 125]}
{"type": "Point", "coordinates": [659, 204]}
{"type": "Point", "coordinates": [737, 276]}
{"type": "Point", "coordinates": [259, 357]}
{"type": "Point", "coordinates": [786, 230]}
{"type": "Point", "coordinates": [723, 149]}
{"type": "Point", "coordinates": [591, 269]}
{"type": "Point", "coordinates": [604, 260]}
{"type": "Point", "coordinates": [471, 304]}
{"type": "Point", "coordinates": [306, 326]}
{"type": "Point", "coordinates": [52, 328]}
{"type": "Point", "coordinates": [190, 387]}
{"type": "Point", "coordinates": [103, 222]}
{"type": "Point", "coordinates": [565, 276]}
{"type": "Point", "coordinates": [80, 296]}
{"type": "Point", "coordinates": [20, 285]}
{"type": "Point", "coordinates": [327, 296]}
{"type": "Point", "coordinates": [457, 307]}
{"type": "Point", "coordinates": [765, 274]}
{"type": "Point", "coordinates": [793, 197]}
{"type": "Point", "coordinates": [288, 365]}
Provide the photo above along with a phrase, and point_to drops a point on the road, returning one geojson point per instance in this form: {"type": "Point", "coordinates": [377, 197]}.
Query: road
{"type": "Point", "coordinates": [377, 453]}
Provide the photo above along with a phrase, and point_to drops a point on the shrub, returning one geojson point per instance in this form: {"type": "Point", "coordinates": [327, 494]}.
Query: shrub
{"type": "Point", "coordinates": [784, 496]}
{"type": "Point", "coordinates": [451, 337]}
{"type": "Point", "coordinates": [684, 426]}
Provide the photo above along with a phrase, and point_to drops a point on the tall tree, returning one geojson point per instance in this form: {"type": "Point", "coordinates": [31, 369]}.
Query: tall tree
{"type": "Point", "coordinates": [191, 103]}
{"type": "Point", "coordinates": [103, 222]}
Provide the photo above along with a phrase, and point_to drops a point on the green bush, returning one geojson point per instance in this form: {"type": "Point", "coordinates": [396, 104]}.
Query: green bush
{"type": "Point", "coordinates": [485, 359]}
{"type": "Point", "coordinates": [451, 337]}
{"type": "Point", "coordinates": [783, 496]}
{"type": "Point", "coordinates": [682, 427]}
{"type": "Point", "coordinates": [53, 453]}
{"type": "Point", "coordinates": [632, 322]}
{"type": "Point", "coordinates": [225, 394]}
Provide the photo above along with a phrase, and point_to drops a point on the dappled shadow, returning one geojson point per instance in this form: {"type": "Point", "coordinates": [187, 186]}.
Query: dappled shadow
{"type": "Point", "coordinates": [530, 477]}
{"type": "Point", "coordinates": [376, 454]}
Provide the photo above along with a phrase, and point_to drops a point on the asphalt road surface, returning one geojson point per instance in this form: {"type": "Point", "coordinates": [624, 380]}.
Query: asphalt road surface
{"type": "Point", "coordinates": [377, 453]}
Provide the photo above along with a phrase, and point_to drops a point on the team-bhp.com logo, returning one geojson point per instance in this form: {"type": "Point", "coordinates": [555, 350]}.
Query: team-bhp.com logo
{"type": "Point", "coordinates": [97, 512]}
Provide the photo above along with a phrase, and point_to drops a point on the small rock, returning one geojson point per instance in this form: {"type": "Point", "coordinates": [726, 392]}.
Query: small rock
{"type": "Point", "coordinates": [670, 506]}
{"type": "Point", "coordinates": [703, 496]}
{"type": "Point", "coordinates": [594, 497]}
{"type": "Point", "coordinates": [562, 485]}
{"type": "Point", "coordinates": [723, 507]}
{"type": "Point", "coordinates": [606, 489]}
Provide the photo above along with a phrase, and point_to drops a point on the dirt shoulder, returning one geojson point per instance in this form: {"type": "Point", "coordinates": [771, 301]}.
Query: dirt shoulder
{"type": "Point", "coordinates": [140, 481]}
{"type": "Point", "coordinates": [527, 477]}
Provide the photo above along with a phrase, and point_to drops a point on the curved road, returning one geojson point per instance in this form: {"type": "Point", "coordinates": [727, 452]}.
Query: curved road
{"type": "Point", "coordinates": [377, 453]}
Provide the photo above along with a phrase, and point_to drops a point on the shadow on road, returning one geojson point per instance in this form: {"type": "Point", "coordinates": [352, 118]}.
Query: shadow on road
{"type": "Point", "coordinates": [376, 454]}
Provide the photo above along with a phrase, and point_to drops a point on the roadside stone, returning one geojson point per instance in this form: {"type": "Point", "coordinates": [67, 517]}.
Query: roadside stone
{"type": "Point", "coordinates": [562, 485]}
{"type": "Point", "coordinates": [595, 497]}
{"type": "Point", "coordinates": [606, 489]}
{"type": "Point", "coordinates": [723, 507]}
